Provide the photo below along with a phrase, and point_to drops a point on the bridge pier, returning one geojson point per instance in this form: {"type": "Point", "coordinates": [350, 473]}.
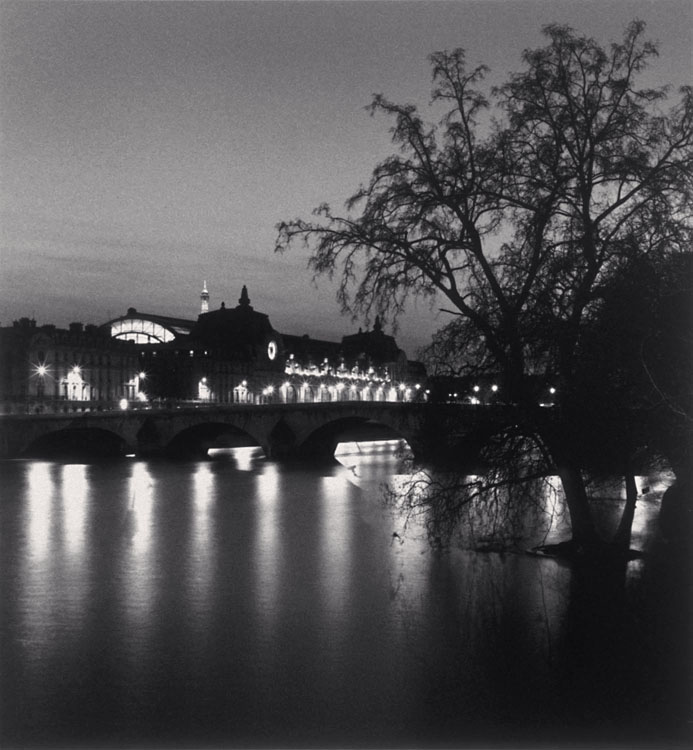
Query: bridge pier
{"type": "Point", "coordinates": [282, 444]}
{"type": "Point", "coordinates": [149, 442]}
{"type": "Point", "coordinates": [318, 450]}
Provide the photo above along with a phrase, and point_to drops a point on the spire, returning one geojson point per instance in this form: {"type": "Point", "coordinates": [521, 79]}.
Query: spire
{"type": "Point", "coordinates": [377, 326]}
{"type": "Point", "coordinates": [204, 299]}
{"type": "Point", "coordinates": [244, 301]}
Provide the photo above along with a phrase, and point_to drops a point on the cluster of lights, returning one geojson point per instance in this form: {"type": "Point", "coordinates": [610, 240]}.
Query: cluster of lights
{"type": "Point", "coordinates": [293, 368]}
{"type": "Point", "coordinates": [74, 376]}
{"type": "Point", "coordinates": [340, 386]}
{"type": "Point", "coordinates": [476, 389]}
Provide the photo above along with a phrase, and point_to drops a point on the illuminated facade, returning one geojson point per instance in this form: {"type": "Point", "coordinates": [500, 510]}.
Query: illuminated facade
{"type": "Point", "coordinates": [228, 355]}
{"type": "Point", "coordinates": [39, 365]}
{"type": "Point", "coordinates": [235, 355]}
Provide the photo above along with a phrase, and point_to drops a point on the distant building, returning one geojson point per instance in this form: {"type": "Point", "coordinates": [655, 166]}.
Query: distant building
{"type": "Point", "coordinates": [43, 364]}
{"type": "Point", "coordinates": [228, 355]}
{"type": "Point", "coordinates": [235, 355]}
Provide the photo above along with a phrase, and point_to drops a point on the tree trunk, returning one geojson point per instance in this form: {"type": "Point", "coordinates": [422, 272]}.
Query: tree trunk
{"type": "Point", "coordinates": [584, 534]}
{"type": "Point", "coordinates": [622, 536]}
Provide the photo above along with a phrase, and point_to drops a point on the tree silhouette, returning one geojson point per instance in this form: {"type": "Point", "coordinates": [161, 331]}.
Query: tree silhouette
{"type": "Point", "coordinates": [517, 208]}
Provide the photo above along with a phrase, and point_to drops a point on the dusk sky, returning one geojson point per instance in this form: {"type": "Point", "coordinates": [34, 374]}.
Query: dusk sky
{"type": "Point", "coordinates": [149, 146]}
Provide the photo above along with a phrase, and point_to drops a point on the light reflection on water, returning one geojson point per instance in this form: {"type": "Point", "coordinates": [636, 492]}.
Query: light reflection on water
{"type": "Point", "coordinates": [267, 550]}
{"type": "Point", "coordinates": [75, 499]}
{"type": "Point", "coordinates": [235, 600]}
{"type": "Point", "coordinates": [39, 512]}
{"type": "Point", "coordinates": [201, 549]}
{"type": "Point", "coordinates": [36, 569]}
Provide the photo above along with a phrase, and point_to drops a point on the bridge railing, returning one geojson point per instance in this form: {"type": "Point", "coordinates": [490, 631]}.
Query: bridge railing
{"type": "Point", "coordinates": [53, 406]}
{"type": "Point", "coordinates": [37, 407]}
{"type": "Point", "coordinates": [31, 407]}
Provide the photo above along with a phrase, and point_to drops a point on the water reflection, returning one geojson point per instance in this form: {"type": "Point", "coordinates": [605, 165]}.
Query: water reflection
{"type": "Point", "coordinates": [73, 501]}
{"type": "Point", "coordinates": [235, 601]}
{"type": "Point", "coordinates": [201, 548]}
{"type": "Point", "coordinates": [74, 492]}
{"type": "Point", "coordinates": [267, 550]}
{"type": "Point", "coordinates": [137, 570]}
{"type": "Point", "coordinates": [39, 510]}
{"type": "Point", "coordinates": [244, 458]}
{"type": "Point", "coordinates": [39, 574]}
{"type": "Point", "coordinates": [137, 523]}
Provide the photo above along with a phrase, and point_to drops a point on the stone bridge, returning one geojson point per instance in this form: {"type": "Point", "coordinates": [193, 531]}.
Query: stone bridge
{"type": "Point", "coordinates": [283, 431]}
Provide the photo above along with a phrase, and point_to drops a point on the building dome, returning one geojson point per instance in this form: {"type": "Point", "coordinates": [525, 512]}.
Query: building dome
{"type": "Point", "coordinates": [240, 331]}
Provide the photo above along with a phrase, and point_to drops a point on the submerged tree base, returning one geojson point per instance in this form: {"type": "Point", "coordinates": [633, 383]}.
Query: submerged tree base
{"type": "Point", "coordinates": [572, 550]}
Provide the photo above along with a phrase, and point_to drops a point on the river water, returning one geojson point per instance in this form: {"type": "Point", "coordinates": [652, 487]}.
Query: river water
{"type": "Point", "coordinates": [235, 601]}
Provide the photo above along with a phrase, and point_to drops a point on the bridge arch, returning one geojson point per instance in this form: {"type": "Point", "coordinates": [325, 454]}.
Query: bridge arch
{"type": "Point", "coordinates": [196, 439]}
{"type": "Point", "coordinates": [77, 442]}
{"type": "Point", "coordinates": [322, 441]}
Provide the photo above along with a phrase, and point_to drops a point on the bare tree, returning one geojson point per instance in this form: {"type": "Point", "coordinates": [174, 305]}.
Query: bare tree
{"type": "Point", "coordinates": [516, 208]}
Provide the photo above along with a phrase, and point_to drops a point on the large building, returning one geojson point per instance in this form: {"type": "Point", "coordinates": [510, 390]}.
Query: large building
{"type": "Point", "coordinates": [235, 355]}
{"type": "Point", "coordinates": [228, 355]}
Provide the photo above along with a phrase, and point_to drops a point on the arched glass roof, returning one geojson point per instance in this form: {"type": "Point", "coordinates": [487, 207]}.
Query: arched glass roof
{"type": "Point", "coordinates": [141, 331]}
{"type": "Point", "coordinates": [146, 329]}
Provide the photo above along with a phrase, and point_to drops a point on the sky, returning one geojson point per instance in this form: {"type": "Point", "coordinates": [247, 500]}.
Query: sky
{"type": "Point", "coordinates": [149, 146]}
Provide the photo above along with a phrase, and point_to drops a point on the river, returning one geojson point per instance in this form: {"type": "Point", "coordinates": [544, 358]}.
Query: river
{"type": "Point", "coordinates": [234, 601]}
